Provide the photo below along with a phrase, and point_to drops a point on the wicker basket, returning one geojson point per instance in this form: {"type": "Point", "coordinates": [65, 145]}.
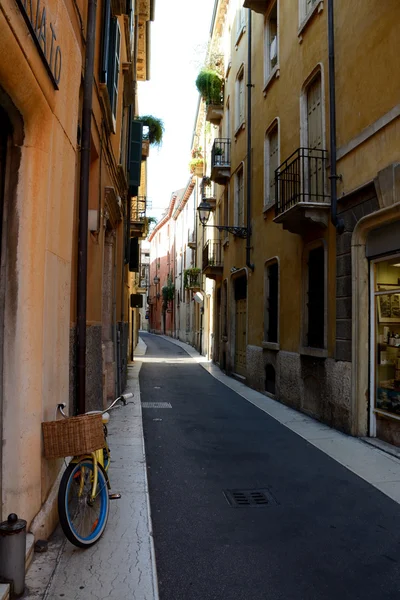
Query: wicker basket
{"type": "Point", "coordinates": [73, 436]}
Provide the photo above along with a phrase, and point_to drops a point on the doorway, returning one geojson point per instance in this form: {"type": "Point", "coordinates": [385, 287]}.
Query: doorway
{"type": "Point", "coordinates": [240, 286]}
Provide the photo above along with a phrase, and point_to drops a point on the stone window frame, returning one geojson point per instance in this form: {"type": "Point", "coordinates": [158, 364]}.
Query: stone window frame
{"type": "Point", "coordinates": [275, 124]}
{"type": "Point", "coordinates": [304, 348]}
{"type": "Point", "coordinates": [270, 72]}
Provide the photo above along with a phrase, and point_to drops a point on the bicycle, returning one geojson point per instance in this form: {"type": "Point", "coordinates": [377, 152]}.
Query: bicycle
{"type": "Point", "coordinates": [83, 495]}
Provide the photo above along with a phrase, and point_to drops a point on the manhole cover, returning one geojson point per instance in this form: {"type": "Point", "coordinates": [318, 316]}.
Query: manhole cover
{"type": "Point", "coordinates": [156, 405]}
{"type": "Point", "coordinates": [258, 497]}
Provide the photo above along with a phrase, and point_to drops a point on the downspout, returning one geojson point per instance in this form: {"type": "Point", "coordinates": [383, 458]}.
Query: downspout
{"type": "Point", "coordinates": [336, 222]}
{"type": "Point", "coordinates": [83, 208]}
{"type": "Point", "coordinates": [249, 165]}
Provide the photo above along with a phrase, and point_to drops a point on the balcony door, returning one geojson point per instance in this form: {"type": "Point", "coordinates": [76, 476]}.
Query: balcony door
{"type": "Point", "coordinates": [315, 139]}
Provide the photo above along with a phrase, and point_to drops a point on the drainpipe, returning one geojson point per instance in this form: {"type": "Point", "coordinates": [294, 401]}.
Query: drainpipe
{"type": "Point", "coordinates": [337, 222]}
{"type": "Point", "coordinates": [83, 208]}
{"type": "Point", "coordinates": [249, 166]}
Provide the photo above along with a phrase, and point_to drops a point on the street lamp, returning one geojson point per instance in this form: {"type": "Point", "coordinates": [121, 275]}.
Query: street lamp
{"type": "Point", "coordinates": [204, 209]}
{"type": "Point", "coordinates": [156, 280]}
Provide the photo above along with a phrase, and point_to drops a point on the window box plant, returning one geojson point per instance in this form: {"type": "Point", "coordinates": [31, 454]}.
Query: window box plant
{"type": "Point", "coordinates": [210, 85]}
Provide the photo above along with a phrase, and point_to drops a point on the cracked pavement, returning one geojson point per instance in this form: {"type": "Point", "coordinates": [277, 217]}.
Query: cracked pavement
{"type": "Point", "coordinates": [121, 564]}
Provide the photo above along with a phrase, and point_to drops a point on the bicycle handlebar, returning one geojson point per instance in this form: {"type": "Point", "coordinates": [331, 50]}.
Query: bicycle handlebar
{"type": "Point", "coordinates": [123, 398]}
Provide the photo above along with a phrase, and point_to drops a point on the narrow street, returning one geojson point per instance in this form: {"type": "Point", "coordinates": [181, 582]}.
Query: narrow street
{"type": "Point", "coordinates": [322, 533]}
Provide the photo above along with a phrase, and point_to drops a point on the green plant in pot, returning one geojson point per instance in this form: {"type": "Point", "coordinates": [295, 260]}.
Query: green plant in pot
{"type": "Point", "coordinates": [218, 154]}
{"type": "Point", "coordinates": [168, 292]}
{"type": "Point", "coordinates": [191, 277]}
{"type": "Point", "coordinates": [155, 129]}
{"type": "Point", "coordinates": [210, 85]}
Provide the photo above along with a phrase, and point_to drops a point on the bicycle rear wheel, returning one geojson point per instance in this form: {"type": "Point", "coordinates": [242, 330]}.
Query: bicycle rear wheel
{"type": "Point", "coordinates": [82, 520]}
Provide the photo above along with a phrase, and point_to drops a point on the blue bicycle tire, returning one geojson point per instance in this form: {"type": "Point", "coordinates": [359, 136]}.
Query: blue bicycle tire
{"type": "Point", "coordinates": [83, 522]}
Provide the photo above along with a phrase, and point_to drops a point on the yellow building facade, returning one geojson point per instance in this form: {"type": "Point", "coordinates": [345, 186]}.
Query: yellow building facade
{"type": "Point", "coordinates": [43, 48]}
{"type": "Point", "coordinates": [302, 242]}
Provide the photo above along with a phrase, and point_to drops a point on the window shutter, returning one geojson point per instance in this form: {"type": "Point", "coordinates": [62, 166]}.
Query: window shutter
{"type": "Point", "coordinates": [111, 59]}
{"type": "Point", "coordinates": [134, 255]}
{"type": "Point", "coordinates": [105, 42]}
{"type": "Point", "coordinates": [135, 153]}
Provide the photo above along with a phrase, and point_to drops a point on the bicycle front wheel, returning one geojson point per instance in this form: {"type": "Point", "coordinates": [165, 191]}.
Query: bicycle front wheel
{"type": "Point", "coordinates": [82, 519]}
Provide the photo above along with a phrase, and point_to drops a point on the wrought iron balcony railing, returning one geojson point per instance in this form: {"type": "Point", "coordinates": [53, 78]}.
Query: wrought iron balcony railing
{"type": "Point", "coordinates": [212, 254]}
{"type": "Point", "coordinates": [192, 279]}
{"type": "Point", "coordinates": [301, 179]}
{"type": "Point", "coordinates": [138, 209]}
{"type": "Point", "coordinates": [221, 153]}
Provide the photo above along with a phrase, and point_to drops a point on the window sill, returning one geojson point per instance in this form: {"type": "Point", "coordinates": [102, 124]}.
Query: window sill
{"type": "Point", "coordinates": [241, 127]}
{"type": "Point", "coordinates": [316, 352]}
{"type": "Point", "coordinates": [270, 346]}
{"type": "Point", "coordinates": [275, 73]}
{"type": "Point", "coordinates": [239, 36]}
{"type": "Point", "coordinates": [228, 69]}
{"type": "Point", "coordinates": [267, 207]}
{"type": "Point", "coordinates": [318, 8]}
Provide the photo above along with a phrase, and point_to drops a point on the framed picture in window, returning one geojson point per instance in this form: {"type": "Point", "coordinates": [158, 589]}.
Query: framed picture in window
{"type": "Point", "coordinates": [388, 304]}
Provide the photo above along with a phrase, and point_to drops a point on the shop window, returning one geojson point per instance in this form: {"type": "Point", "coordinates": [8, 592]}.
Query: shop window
{"type": "Point", "coordinates": [386, 309]}
{"type": "Point", "coordinates": [271, 302]}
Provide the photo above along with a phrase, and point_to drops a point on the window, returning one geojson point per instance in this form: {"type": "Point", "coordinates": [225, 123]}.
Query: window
{"type": "Point", "coordinates": [306, 8]}
{"type": "Point", "coordinates": [271, 41]}
{"type": "Point", "coordinates": [316, 298]}
{"type": "Point", "coordinates": [271, 315]}
{"type": "Point", "coordinates": [240, 18]}
{"type": "Point", "coordinates": [240, 98]}
{"type": "Point", "coordinates": [271, 163]}
{"type": "Point", "coordinates": [227, 121]}
{"type": "Point", "coordinates": [110, 56]}
{"type": "Point", "coordinates": [239, 198]}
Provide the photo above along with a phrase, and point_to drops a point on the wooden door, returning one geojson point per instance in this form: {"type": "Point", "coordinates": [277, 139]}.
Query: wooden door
{"type": "Point", "coordinates": [314, 132]}
{"type": "Point", "coordinates": [240, 336]}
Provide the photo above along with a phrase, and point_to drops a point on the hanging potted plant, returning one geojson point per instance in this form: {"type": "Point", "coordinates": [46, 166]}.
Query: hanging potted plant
{"type": "Point", "coordinates": [153, 129]}
{"type": "Point", "coordinates": [197, 162]}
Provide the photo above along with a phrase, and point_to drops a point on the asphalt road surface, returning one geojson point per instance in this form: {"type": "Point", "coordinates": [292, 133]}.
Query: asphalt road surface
{"type": "Point", "coordinates": [312, 531]}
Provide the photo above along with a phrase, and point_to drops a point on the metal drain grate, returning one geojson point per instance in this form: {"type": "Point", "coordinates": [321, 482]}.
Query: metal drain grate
{"type": "Point", "coordinates": [156, 405]}
{"type": "Point", "coordinates": [259, 497]}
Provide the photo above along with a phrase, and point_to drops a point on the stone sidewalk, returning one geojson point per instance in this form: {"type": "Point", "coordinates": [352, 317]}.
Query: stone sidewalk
{"type": "Point", "coordinates": [122, 564]}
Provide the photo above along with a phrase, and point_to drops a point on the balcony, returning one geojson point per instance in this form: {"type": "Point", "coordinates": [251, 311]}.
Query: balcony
{"type": "Point", "coordinates": [212, 261]}
{"type": "Point", "coordinates": [258, 6]}
{"type": "Point", "coordinates": [192, 240]}
{"type": "Point", "coordinates": [207, 190]}
{"type": "Point", "coordinates": [221, 161]}
{"type": "Point", "coordinates": [301, 200]}
{"type": "Point", "coordinates": [214, 113]}
{"type": "Point", "coordinates": [192, 279]}
{"type": "Point", "coordinates": [138, 215]}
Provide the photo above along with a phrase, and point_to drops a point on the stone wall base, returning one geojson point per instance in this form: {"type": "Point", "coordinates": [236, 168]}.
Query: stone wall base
{"type": "Point", "coordinates": [318, 387]}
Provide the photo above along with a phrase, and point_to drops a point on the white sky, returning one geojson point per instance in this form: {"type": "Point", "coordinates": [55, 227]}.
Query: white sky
{"type": "Point", "coordinates": [179, 36]}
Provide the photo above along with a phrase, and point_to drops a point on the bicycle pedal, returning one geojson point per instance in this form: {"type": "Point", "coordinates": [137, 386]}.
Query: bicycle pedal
{"type": "Point", "coordinates": [114, 496]}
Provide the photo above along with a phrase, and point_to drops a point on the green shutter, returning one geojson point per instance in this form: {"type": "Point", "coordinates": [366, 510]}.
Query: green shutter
{"type": "Point", "coordinates": [135, 153]}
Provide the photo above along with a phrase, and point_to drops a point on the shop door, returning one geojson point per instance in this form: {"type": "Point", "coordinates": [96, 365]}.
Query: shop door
{"type": "Point", "coordinates": [314, 133]}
